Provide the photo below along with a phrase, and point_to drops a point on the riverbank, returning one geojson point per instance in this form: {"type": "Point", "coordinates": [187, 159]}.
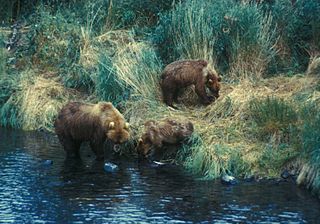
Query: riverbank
{"type": "Point", "coordinates": [264, 123]}
{"type": "Point", "coordinates": [81, 190]}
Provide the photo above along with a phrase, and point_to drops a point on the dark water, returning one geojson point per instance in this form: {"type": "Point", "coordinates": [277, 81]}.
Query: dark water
{"type": "Point", "coordinates": [81, 192]}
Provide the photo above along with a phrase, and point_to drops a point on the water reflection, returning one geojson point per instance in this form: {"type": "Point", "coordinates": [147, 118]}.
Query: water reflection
{"type": "Point", "coordinates": [80, 191]}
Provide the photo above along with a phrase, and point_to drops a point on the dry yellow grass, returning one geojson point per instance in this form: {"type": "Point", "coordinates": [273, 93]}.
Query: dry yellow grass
{"type": "Point", "coordinates": [225, 123]}
{"type": "Point", "coordinates": [40, 99]}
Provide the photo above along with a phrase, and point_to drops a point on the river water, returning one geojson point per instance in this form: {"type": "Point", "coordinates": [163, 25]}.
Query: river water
{"type": "Point", "coordinates": [32, 191]}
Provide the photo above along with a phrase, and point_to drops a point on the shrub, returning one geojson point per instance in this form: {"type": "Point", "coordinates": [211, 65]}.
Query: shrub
{"type": "Point", "coordinates": [130, 13]}
{"type": "Point", "coordinates": [35, 104]}
{"type": "Point", "coordinates": [299, 31]}
{"type": "Point", "coordinates": [54, 38]}
{"type": "Point", "coordinates": [310, 116]}
{"type": "Point", "coordinates": [137, 68]}
{"type": "Point", "coordinates": [108, 85]}
{"type": "Point", "coordinates": [274, 118]}
{"type": "Point", "coordinates": [310, 142]}
{"type": "Point", "coordinates": [210, 161]}
{"type": "Point", "coordinates": [60, 42]}
{"type": "Point", "coordinates": [8, 83]}
{"type": "Point", "coordinates": [236, 35]}
{"type": "Point", "coordinates": [273, 158]}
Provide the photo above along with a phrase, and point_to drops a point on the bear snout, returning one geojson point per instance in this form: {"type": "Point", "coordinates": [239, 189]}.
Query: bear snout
{"type": "Point", "coordinates": [118, 137]}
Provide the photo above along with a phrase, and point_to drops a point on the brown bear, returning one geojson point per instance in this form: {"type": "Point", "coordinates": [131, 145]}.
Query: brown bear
{"type": "Point", "coordinates": [94, 123]}
{"type": "Point", "coordinates": [164, 132]}
{"type": "Point", "coordinates": [183, 73]}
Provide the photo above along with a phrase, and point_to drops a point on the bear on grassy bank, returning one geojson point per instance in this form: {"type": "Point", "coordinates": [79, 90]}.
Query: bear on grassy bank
{"type": "Point", "coordinates": [159, 134]}
{"type": "Point", "coordinates": [181, 74]}
{"type": "Point", "coordinates": [94, 123]}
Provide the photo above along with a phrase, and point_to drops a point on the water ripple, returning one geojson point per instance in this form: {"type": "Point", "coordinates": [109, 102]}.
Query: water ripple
{"type": "Point", "coordinates": [81, 192]}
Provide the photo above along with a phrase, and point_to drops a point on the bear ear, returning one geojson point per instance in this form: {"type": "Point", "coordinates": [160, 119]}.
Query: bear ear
{"type": "Point", "coordinates": [126, 125]}
{"type": "Point", "coordinates": [105, 106]}
{"type": "Point", "coordinates": [111, 125]}
{"type": "Point", "coordinates": [219, 79]}
{"type": "Point", "coordinates": [210, 81]}
{"type": "Point", "coordinates": [140, 140]}
{"type": "Point", "coordinates": [149, 123]}
{"type": "Point", "coordinates": [204, 63]}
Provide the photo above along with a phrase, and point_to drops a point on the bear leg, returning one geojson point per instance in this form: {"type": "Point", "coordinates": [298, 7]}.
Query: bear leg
{"type": "Point", "coordinates": [175, 95]}
{"type": "Point", "coordinates": [168, 99]}
{"type": "Point", "coordinates": [72, 148]}
{"type": "Point", "coordinates": [97, 148]}
{"type": "Point", "coordinates": [201, 92]}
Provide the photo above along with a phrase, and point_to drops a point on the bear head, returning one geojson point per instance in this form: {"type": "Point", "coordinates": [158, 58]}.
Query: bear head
{"type": "Point", "coordinates": [185, 130]}
{"type": "Point", "coordinates": [167, 131]}
{"type": "Point", "coordinates": [116, 128]}
{"type": "Point", "coordinates": [118, 131]}
{"type": "Point", "coordinates": [213, 82]}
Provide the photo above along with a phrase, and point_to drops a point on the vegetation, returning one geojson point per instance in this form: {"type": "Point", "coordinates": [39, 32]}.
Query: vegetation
{"type": "Point", "coordinates": [238, 37]}
{"type": "Point", "coordinates": [268, 54]}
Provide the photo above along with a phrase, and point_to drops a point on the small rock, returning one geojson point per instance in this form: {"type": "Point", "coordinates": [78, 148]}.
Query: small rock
{"type": "Point", "coordinates": [285, 174]}
{"type": "Point", "coordinates": [229, 180]}
{"type": "Point", "coordinates": [110, 167]}
{"type": "Point", "coordinates": [47, 162]}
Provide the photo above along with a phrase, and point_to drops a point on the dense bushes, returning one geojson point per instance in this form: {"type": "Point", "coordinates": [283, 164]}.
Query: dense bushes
{"type": "Point", "coordinates": [233, 35]}
{"type": "Point", "coordinates": [35, 102]}
{"type": "Point", "coordinates": [134, 68]}
{"type": "Point", "coordinates": [242, 37]}
{"type": "Point", "coordinates": [299, 32]}
{"type": "Point", "coordinates": [274, 118]}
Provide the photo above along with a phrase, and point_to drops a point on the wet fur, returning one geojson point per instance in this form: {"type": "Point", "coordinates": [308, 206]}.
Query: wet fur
{"type": "Point", "coordinates": [181, 74]}
{"type": "Point", "coordinates": [81, 122]}
{"type": "Point", "coordinates": [158, 134]}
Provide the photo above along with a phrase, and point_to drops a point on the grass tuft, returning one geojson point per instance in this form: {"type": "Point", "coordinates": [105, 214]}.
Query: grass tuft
{"type": "Point", "coordinates": [36, 103]}
{"type": "Point", "coordinates": [234, 36]}
{"type": "Point", "coordinates": [274, 118]}
{"type": "Point", "coordinates": [138, 68]}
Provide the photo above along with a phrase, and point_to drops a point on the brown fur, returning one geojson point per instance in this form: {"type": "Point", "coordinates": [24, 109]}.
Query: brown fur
{"type": "Point", "coordinates": [181, 74]}
{"type": "Point", "coordinates": [80, 122]}
{"type": "Point", "coordinates": [167, 131]}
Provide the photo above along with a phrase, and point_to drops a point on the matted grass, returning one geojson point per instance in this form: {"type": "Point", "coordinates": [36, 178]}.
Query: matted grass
{"type": "Point", "coordinates": [37, 101]}
{"type": "Point", "coordinates": [226, 138]}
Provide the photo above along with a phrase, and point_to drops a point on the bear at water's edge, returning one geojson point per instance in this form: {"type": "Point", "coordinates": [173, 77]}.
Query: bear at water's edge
{"type": "Point", "coordinates": [94, 123]}
{"type": "Point", "coordinates": [164, 132]}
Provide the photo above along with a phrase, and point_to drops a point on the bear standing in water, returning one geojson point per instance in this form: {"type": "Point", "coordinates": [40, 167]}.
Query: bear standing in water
{"type": "Point", "coordinates": [94, 123]}
{"type": "Point", "coordinates": [181, 74]}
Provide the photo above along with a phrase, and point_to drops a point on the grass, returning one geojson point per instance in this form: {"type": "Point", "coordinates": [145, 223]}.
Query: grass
{"type": "Point", "coordinates": [36, 103]}
{"type": "Point", "coordinates": [226, 33]}
{"type": "Point", "coordinates": [310, 171]}
{"type": "Point", "coordinates": [93, 51]}
{"type": "Point", "coordinates": [274, 118]}
{"type": "Point", "coordinates": [233, 134]}
{"type": "Point", "coordinates": [138, 66]}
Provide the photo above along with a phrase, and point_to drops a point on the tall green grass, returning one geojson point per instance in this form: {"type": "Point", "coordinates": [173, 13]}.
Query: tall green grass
{"type": "Point", "coordinates": [108, 86]}
{"type": "Point", "coordinates": [274, 157]}
{"type": "Point", "coordinates": [299, 32]}
{"type": "Point", "coordinates": [135, 68]}
{"type": "Point", "coordinates": [210, 161]}
{"type": "Point", "coordinates": [7, 81]}
{"type": "Point", "coordinates": [234, 35]}
{"type": "Point", "coordinates": [311, 144]}
{"type": "Point", "coordinates": [3, 59]}
{"type": "Point", "coordinates": [274, 118]}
